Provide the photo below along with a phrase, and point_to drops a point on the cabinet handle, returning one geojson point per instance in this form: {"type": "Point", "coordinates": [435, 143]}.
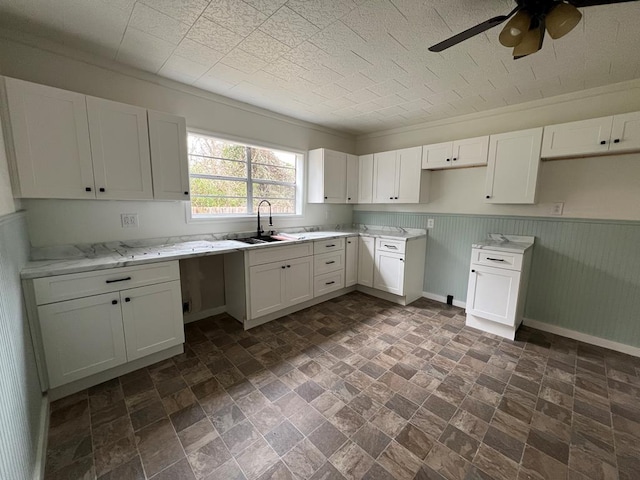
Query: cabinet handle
{"type": "Point", "coordinates": [448, 159]}
{"type": "Point", "coordinates": [283, 266]}
{"type": "Point", "coordinates": [288, 266]}
{"type": "Point", "coordinates": [488, 196]}
{"type": "Point", "coordinates": [390, 198]}
{"type": "Point", "coordinates": [349, 242]}
{"type": "Point", "coordinates": [114, 302]}
{"type": "Point", "coordinates": [348, 198]}
{"type": "Point", "coordinates": [127, 299]}
{"type": "Point", "coordinates": [186, 193]}
{"type": "Point", "coordinates": [617, 140]}
{"type": "Point", "coordinates": [402, 259]}
{"type": "Point", "coordinates": [495, 259]}
{"type": "Point", "coordinates": [391, 246]}
{"type": "Point", "coordinates": [119, 280]}
{"type": "Point", "coordinates": [331, 245]}
{"type": "Point", "coordinates": [329, 263]}
{"type": "Point", "coordinates": [88, 189]}
{"type": "Point", "coordinates": [603, 142]}
{"type": "Point", "coordinates": [326, 198]}
{"type": "Point", "coordinates": [454, 159]}
{"type": "Point", "coordinates": [329, 283]}
{"type": "Point", "coordinates": [395, 198]}
{"type": "Point", "coordinates": [473, 271]}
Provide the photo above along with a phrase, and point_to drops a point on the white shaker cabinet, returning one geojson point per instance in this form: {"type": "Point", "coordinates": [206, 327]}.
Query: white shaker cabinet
{"type": "Point", "coordinates": [577, 138]}
{"type": "Point", "coordinates": [625, 132]}
{"type": "Point", "coordinates": [397, 176]}
{"type": "Point", "coordinates": [493, 293]}
{"type": "Point", "coordinates": [512, 171]}
{"type": "Point", "coordinates": [459, 153]}
{"type": "Point", "coordinates": [120, 149]}
{"type": "Point", "coordinates": [51, 141]}
{"type": "Point", "coordinates": [389, 272]}
{"type": "Point", "coordinates": [353, 178]}
{"type": "Point", "coordinates": [351, 261]}
{"type": "Point", "coordinates": [327, 176]}
{"type": "Point", "coordinates": [169, 159]}
{"type": "Point", "coordinates": [365, 178]}
{"type": "Point", "coordinates": [366, 260]}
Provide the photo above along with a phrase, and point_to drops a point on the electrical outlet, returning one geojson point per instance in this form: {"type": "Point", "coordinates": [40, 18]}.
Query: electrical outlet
{"type": "Point", "coordinates": [430, 223]}
{"type": "Point", "coordinates": [556, 208]}
{"type": "Point", "coordinates": [129, 220]}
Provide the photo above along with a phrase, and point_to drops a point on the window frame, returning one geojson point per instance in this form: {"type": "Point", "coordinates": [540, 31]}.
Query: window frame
{"type": "Point", "coordinates": [300, 186]}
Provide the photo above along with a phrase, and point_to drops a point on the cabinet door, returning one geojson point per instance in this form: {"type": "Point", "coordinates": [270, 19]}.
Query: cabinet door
{"type": "Point", "coordinates": [82, 337]}
{"type": "Point", "coordinates": [408, 175]}
{"type": "Point", "coordinates": [169, 159]}
{"type": "Point", "coordinates": [625, 132]}
{"type": "Point", "coordinates": [389, 272]}
{"type": "Point", "coordinates": [470, 152]}
{"type": "Point", "coordinates": [366, 259]}
{"type": "Point", "coordinates": [352, 178]}
{"type": "Point", "coordinates": [365, 176]}
{"type": "Point", "coordinates": [120, 149]}
{"type": "Point", "coordinates": [512, 172]}
{"type": "Point", "coordinates": [152, 318]}
{"type": "Point", "coordinates": [384, 177]}
{"type": "Point", "coordinates": [493, 293]}
{"type": "Point", "coordinates": [335, 177]}
{"type": "Point", "coordinates": [351, 262]}
{"type": "Point", "coordinates": [266, 288]}
{"type": "Point", "coordinates": [437, 155]}
{"type": "Point", "coordinates": [51, 140]}
{"type": "Point", "coordinates": [298, 281]}
{"type": "Point", "coordinates": [577, 138]}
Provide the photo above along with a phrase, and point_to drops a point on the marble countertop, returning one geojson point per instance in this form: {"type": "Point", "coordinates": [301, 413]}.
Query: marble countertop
{"type": "Point", "coordinates": [505, 243]}
{"type": "Point", "coordinates": [66, 259]}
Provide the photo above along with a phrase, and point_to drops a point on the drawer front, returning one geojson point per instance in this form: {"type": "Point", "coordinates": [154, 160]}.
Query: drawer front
{"type": "Point", "coordinates": [510, 261]}
{"type": "Point", "coordinates": [391, 246]}
{"type": "Point", "coordinates": [79, 285]}
{"type": "Point", "coordinates": [327, 283]}
{"type": "Point", "coordinates": [325, 246]}
{"type": "Point", "coordinates": [270, 254]}
{"type": "Point", "coordinates": [328, 262]}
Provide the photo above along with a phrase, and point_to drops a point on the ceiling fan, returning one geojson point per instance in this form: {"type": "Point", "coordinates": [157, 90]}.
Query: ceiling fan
{"type": "Point", "coordinates": [529, 21]}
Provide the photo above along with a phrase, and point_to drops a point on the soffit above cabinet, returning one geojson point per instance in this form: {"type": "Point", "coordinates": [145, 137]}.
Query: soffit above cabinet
{"type": "Point", "coordinates": [353, 65]}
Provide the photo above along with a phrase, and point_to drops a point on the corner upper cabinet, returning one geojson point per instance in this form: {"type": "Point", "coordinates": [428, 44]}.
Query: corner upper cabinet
{"type": "Point", "coordinates": [365, 178]}
{"type": "Point", "coordinates": [577, 138]}
{"type": "Point", "coordinates": [353, 178]}
{"type": "Point", "coordinates": [50, 132]}
{"type": "Point", "coordinates": [120, 149]}
{"type": "Point", "coordinates": [512, 171]}
{"type": "Point", "coordinates": [169, 158]}
{"type": "Point", "coordinates": [398, 178]}
{"type": "Point", "coordinates": [469, 152]}
{"type": "Point", "coordinates": [327, 176]}
{"type": "Point", "coordinates": [625, 133]}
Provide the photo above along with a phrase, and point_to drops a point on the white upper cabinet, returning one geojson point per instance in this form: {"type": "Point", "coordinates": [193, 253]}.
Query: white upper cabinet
{"type": "Point", "coordinates": [51, 141]}
{"type": "Point", "coordinates": [353, 178]}
{"type": "Point", "coordinates": [365, 178]}
{"type": "Point", "coordinates": [459, 153]}
{"type": "Point", "coordinates": [512, 171]}
{"type": "Point", "coordinates": [120, 150]}
{"type": "Point", "coordinates": [169, 159]}
{"type": "Point", "coordinates": [625, 132]}
{"type": "Point", "coordinates": [397, 176]}
{"type": "Point", "coordinates": [327, 176]}
{"type": "Point", "coordinates": [577, 138]}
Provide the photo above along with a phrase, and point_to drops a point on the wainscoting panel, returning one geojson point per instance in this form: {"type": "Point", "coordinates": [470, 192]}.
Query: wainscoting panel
{"type": "Point", "coordinates": [585, 274]}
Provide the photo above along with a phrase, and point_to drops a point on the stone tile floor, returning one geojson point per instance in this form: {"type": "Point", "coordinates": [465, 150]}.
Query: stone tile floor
{"type": "Point", "coordinates": [358, 388]}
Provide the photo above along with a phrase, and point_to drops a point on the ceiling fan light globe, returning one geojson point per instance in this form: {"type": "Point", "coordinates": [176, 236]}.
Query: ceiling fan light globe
{"type": "Point", "coordinates": [530, 43]}
{"type": "Point", "coordinates": [562, 19]}
{"type": "Point", "coordinates": [515, 29]}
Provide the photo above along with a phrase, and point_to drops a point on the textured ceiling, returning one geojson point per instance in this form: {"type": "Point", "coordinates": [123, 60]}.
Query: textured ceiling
{"type": "Point", "coordinates": [354, 65]}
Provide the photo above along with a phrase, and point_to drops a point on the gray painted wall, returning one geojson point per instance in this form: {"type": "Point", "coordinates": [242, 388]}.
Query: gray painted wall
{"type": "Point", "coordinates": [585, 274]}
{"type": "Point", "coordinates": [20, 396]}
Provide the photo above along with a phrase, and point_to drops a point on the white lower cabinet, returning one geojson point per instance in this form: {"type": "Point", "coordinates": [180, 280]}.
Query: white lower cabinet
{"type": "Point", "coordinates": [114, 325]}
{"type": "Point", "coordinates": [493, 293]}
{"type": "Point", "coordinates": [366, 260]}
{"type": "Point", "coordinates": [298, 281]}
{"type": "Point", "coordinates": [351, 262]}
{"type": "Point", "coordinates": [389, 272]}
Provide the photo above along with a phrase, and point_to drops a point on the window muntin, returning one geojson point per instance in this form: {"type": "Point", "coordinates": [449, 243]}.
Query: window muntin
{"type": "Point", "coordinates": [229, 178]}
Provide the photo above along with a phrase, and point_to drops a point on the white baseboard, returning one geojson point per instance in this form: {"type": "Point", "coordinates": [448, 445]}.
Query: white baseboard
{"type": "Point", "coordinates": [194, 317]}
{"type": "Point", "coordinates": [443, 299]}
{"type": "Point", "coordinates": [583, 337]}
{"type": "Point", "coordinates": [43, 434]}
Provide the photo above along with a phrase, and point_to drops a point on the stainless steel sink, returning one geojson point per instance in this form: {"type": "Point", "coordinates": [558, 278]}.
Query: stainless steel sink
{"type": "Point", "coordinates": [258, 240]}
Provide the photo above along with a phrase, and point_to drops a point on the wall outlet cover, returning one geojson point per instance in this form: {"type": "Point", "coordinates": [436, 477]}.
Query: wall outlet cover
{"type": "Point", "coordinates": [129, 220]}
{"type": "Point", "coordinates": [557, 208]}
{"type": "Point", "coordinates": [430, 223]}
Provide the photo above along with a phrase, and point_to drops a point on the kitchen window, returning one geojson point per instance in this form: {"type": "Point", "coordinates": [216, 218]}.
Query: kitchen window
{"type": "Point", "coordinates": [230, 178]}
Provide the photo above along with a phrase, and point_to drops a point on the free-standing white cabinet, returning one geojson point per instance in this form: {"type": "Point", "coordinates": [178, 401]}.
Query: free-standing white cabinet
{"type": "Point", "coordinates": [365, 178]}
{"type": "Point", "coordinates": [51, 141]}
{"type": "Point", "coordinates": [397, 176]}
{"type": "Point", "coordinates": [459, 153]}
{"type": "Point", "coordinates": [120, 150]}
{"type": "Point", "coordinates": [366, 260]}
{"type": "Point", "coordinates": [168, 141]}
{"type": "Point", "coordinates": [351, 261]}
{"type": "Point", "coordinates": [512, 171]}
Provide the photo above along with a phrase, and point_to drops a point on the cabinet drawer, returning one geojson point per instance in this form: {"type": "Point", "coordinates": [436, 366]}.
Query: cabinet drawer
{"type": "Point", "coordinates": [328, 262]}
{"type": "Point", "coordinates": [78, 285]}
{"type": "Point", "coordinates": [392, 246]}
{"type": "Point", "coordinates": [510, 261]}
{"type": "Point", "coordinates": [264, 255]}
{"type": "Point", "coordinates": [325, 246]}
{"type": "Point", "coordinates": [328, 282]}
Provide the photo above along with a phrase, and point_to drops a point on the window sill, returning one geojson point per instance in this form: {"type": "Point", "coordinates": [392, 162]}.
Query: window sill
{"type": "Point", "coordinates": [236, 218]}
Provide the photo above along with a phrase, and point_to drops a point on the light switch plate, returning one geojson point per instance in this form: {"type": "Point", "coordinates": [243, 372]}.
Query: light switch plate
{"type": "Point", "coordinates": [430, 223]}
{"type": "Point", "coordinates": [556, 208]}
{"type": "Point", "coordinates": [129, 220]}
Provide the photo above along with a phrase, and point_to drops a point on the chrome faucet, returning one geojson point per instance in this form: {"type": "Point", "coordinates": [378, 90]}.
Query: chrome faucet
{"type": "Point", "coordinates": [260, 229]}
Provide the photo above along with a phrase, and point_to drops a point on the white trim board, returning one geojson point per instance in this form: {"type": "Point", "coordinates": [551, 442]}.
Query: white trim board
{"type": "Point", "coordinates": [194, 317]}
{"type": "Point", "coordinates": [582, 337]}
{"type": "Point", "coordinates": [443, 299]}
{"type": "Point", "coordinates": [43, 435]}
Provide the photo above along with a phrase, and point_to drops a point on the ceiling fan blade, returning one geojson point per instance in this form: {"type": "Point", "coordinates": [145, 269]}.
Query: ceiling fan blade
{"type": "Point", "coordinates": [590, 3]}
{"type": "Point", "coordinates": [471, 32]}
